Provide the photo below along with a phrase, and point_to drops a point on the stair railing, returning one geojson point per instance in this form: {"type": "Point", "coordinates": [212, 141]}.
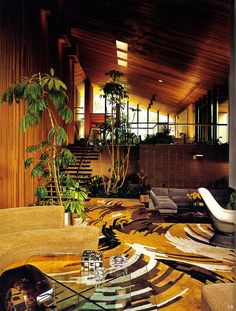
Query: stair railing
{"type": "Point", "coordinates": [85, 150]}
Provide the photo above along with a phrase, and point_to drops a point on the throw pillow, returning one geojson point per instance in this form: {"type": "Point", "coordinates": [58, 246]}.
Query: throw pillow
{"type": "Point", "coordinates": [153, 197]}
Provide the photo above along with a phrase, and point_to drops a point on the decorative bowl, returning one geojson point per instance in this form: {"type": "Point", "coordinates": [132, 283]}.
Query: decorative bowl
{"type": "Point", "coordinates": [118, 261]}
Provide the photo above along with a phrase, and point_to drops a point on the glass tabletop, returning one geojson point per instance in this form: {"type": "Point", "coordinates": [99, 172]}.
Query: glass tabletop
{"type": "Point", "coordinates": [105, 288]}
{"type": "Point", "coordinates": [109, 287]}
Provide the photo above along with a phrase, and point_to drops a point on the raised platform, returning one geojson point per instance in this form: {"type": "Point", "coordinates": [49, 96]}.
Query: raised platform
{"type": "Point", "coordinates": [184, 215]}
{"type": "Point", "coordinates": [126, 202]}
{"type": "Point", "coordinates": [181, 217]}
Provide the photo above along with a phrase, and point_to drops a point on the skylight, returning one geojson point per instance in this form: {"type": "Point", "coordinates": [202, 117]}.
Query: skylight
{"type": "Point", "coordinates": [122, 55]}
{"type": "Point", "coordinates": [122, 62]}
{"type": "Point", "coordinates": [122, 45]}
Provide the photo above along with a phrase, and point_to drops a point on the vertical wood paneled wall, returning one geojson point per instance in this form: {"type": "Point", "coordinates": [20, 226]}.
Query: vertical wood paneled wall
{"type": "Point", "coordinates": [174, 166]}
{"type": "Point", "coordinates": [28, 44]}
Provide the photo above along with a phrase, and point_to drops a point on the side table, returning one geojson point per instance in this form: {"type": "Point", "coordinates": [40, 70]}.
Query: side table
{"type": "Point", "coordinates": [144, 198]}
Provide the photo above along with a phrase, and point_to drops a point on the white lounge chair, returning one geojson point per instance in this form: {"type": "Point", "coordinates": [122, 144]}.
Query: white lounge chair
{"type": "Point", "coordinates": [223, 220]}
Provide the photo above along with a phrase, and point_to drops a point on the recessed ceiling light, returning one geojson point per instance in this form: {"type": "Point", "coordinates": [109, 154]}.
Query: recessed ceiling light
{"type": "Point", "coordinates": [160, 81]}
{"type": "Point", "coordinates": [122, 45]}
{"type": "Point", "coordinates": [122, 55]}
{"type": "Point", "coordinates": [122, 62]}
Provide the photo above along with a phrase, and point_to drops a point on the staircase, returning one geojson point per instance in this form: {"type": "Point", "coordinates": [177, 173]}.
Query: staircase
{"type": "Point", "coordinates": [85, 155]}
{"type": "Point", "coordinates": [82, 170]}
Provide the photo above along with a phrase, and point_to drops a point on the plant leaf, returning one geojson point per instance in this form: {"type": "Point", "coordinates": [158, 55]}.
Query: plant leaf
{"type": "Point", "coordinates": [62, 85]}
{"type": "Point", "coordinates": [32, 148]}
{"type": "Point", "coordinates": [57, 84]}
{"type": "Point", "coordinates": [10, 97]}
{"type": "Point", "coordinates": [44, 81]}
{"type": "Point", "coordinates": [4, 98]}
{"type": "Point", "coordinates": [51, 84]}
{"type": "Point", "coordinates": [41, 193]}
{"type": "Point", "coordinates": [19, 92]}
{"type": "Point", "coordinates": [61, 136]}
{"type": "Point", "coordinates": [66, 114]}
{"type": "Point", "coordinates": [37, 171]}
{"type": "Point", "coordinates": [44, 157]}
{"type": "Point", "coordinates": [28, 162]}
{"type": "Point", "coordinates": [51, 134]}
{"type": "Point", "coordinates": [52, 72]}
{"type": "Point", "coordinates": [44, 144]}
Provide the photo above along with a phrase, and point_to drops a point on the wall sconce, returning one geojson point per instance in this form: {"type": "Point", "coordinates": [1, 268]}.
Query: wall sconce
{"type": "Point", "coordinates": [197, 156]}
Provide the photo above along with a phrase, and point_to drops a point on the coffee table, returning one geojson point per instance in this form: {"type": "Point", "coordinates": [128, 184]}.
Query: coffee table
{"type": "Point", "coordinates": [74, 290]}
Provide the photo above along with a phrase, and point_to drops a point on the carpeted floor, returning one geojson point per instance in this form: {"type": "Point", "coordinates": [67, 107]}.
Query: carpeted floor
{"type": "Point", "coordinates": [169, 263]}
{"type": "Point", "coordinates": [178, 257]}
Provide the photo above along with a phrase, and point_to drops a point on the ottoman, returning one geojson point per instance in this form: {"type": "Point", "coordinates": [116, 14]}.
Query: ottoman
{"type": "Point", "coordinates": [218, 297]}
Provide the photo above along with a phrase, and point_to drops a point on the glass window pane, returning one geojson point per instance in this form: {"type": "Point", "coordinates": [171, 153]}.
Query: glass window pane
{"type": "Point", "coordinates": [98, 104]}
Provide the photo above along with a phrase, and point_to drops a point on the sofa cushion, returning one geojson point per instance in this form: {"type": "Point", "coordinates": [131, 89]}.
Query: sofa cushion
{"type": "Point", "coordinates": [160, 200]}
{"type": "Point", "coordinates": [153, 197]}
{"type": "Point", "coordinates": [21, 246]}
{"type": "Point", "coordinates": [165, 202]}
{"type": "Point", "coordinates": [181, 199]}
{"type": "Point", "coordinates": [178, 192]}
{"type": "Point", "coordinates": [151, 205]}
{"type": "Point", "coordinates": [29, 218]}
{"type": "Point", "coordinates": [160, 191]}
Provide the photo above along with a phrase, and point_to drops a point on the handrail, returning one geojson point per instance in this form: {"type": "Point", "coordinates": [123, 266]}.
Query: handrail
{"type": "Point", "coordinates": [154, 126]}
{"type": "Point", "coordinates": [85, 150]}
{"type": "Point", "coordinates": [82, 158]}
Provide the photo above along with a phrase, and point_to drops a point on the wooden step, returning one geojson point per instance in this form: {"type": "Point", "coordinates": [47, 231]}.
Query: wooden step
{"type": "Point", "coordinates": [87, 158]}
{"type": "Point", "coordinates": [75, 168]}
{"type": "Point", "coordinates": [84, 155]}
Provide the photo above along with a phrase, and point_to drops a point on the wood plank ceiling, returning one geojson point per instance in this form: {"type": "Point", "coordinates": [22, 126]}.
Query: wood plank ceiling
{"type": "Point", "coordinates": [185, 43]}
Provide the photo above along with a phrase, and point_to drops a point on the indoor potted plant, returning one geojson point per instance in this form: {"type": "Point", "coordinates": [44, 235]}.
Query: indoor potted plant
{"type": "Point", "coordinates": [196, 199]}
{"type": "Point", "coordinates": [143, 188]}
{"type": "Point", "coordinates": [45, 98]}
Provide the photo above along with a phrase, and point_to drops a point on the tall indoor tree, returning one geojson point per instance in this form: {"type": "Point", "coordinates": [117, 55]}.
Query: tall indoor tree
{"type": "Point", "coordinates": [116, 131]}
{"type": "Point", "coordinates": [45, 97]}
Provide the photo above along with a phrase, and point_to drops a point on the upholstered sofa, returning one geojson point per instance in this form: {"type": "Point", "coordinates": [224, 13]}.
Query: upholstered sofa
{"type": "Point", "coordinates": [28, 231]}
{"type": "Point", "coordinates": [169, 200]}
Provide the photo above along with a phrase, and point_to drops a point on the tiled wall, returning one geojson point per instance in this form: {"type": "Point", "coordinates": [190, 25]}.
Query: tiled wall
{"type": "Point", "coordinates": [174, 166]}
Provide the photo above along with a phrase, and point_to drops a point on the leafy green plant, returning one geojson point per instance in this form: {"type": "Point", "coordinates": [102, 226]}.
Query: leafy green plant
{"type": "Point", "coordinates": [133, 179]}
{"type": "Point", "coordinates": [96, 189]}
{"type": "Point", "coordinates": [95, 186]}
{"type": "Point", "coordinates": [143, 188]}
{"type": "Point", "coordinates": [162, 137]}
{"type": "Point", "coordinates": [232, 201]}
{"type": "Point", "coordinates": [45, 98]}
{"type": "Point", "coordinates": [116, 131]}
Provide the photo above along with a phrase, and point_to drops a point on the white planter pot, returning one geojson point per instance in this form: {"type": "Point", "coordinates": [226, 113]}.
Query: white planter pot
{"type": "Point", "coordinates": [68, 219]}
